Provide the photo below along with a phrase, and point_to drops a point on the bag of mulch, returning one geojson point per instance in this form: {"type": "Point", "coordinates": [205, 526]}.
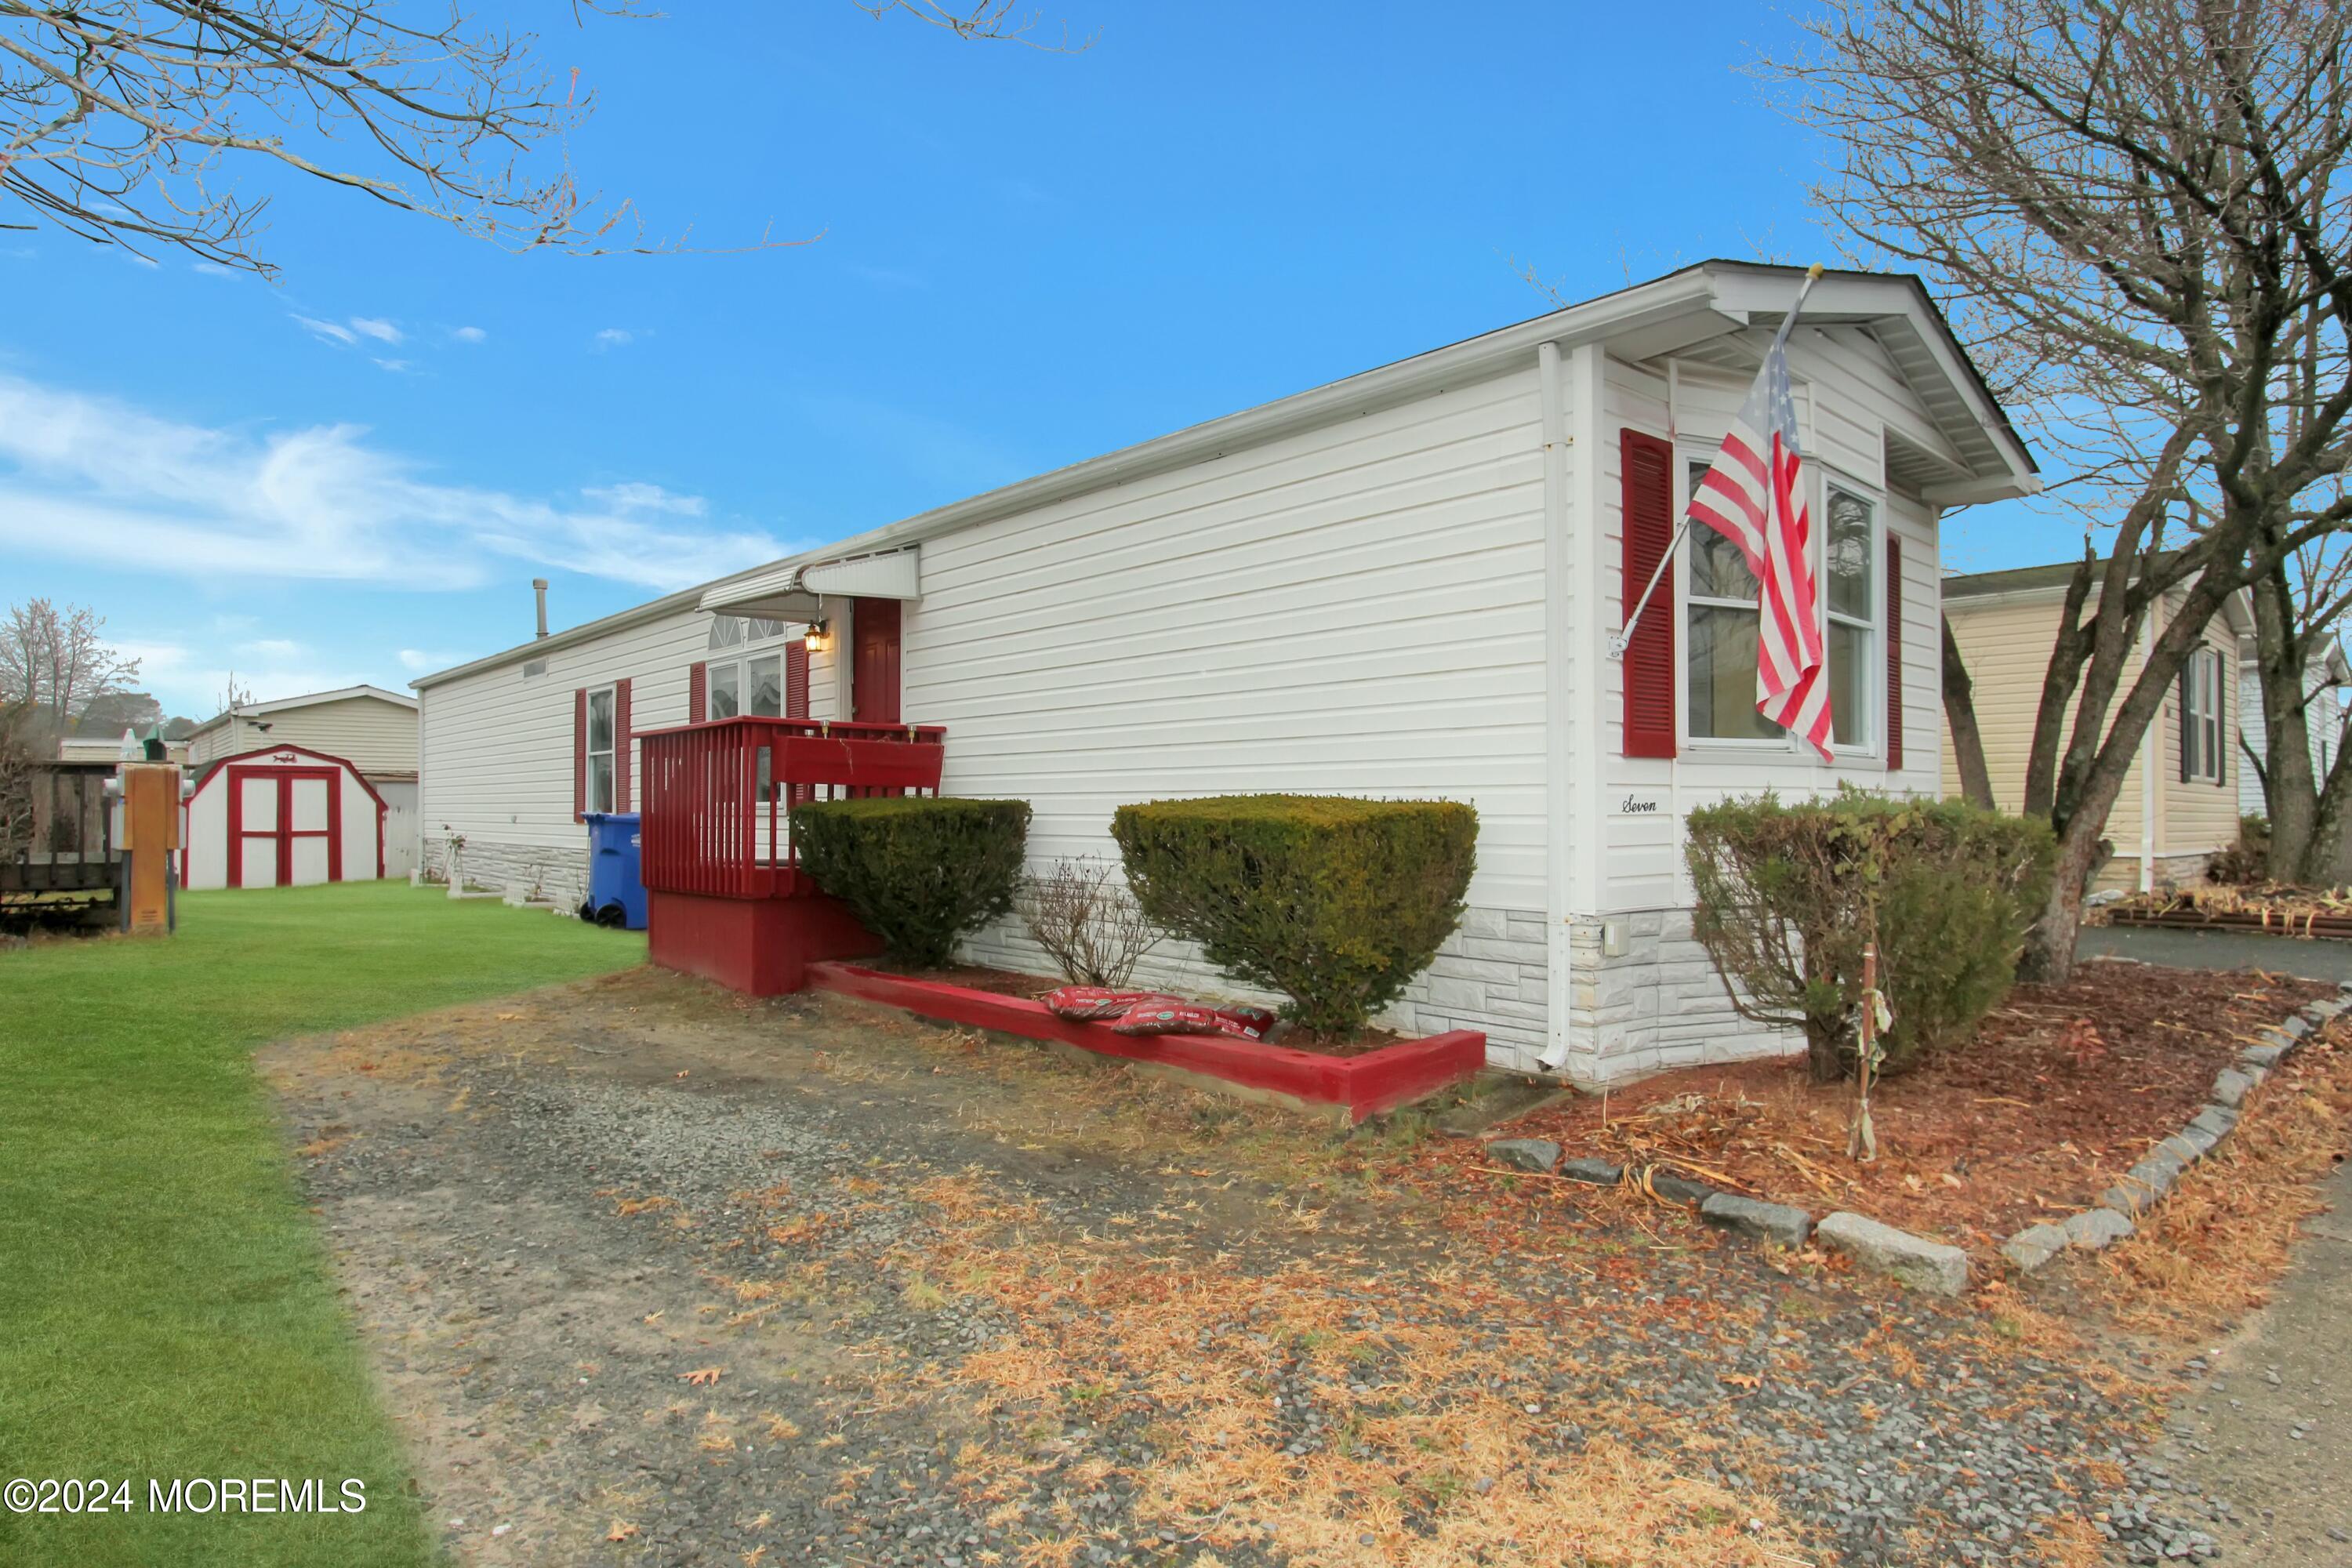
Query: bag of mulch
{"type": "Point", "coordinates": [1261, 1019]}
{"type": "Point", "coordinates": [1087, 1003]}
{"type": "Point", "coordinates": [1169, 1016]}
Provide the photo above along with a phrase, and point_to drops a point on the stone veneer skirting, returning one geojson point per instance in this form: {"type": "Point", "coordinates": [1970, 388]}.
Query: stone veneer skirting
{"type": "Point", "coordinates": [1657, 1006]}
{"type": "Point", "coordinates": [561, 875]}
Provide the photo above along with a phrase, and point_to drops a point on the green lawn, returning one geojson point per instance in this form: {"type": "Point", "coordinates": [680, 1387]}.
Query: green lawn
{"type": "Point", "coordinates": [164, 1304]}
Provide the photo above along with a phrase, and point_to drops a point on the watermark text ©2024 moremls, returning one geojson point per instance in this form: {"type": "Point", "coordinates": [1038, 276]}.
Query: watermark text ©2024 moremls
{"type": "Point", "coordinates": [190, 1494]}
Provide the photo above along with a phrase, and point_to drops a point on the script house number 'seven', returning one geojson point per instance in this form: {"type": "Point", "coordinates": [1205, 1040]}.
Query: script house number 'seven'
{"type": "Point", "coordinates": [1641, 805]}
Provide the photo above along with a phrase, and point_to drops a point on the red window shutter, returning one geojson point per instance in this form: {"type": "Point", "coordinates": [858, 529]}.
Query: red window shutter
{"type": "Point", "coordinates": [697, 691]}
{"type": "Point", "coordinates": [580, 753]}
{"type": "Point", "coordinates": [622, 745]}
{"type": "Point", "coordinates": [1648, 472]}
{"type": "Point", "coordinates": [796, 690]}
{"type": "Point", "coordinates": [1893, 653]}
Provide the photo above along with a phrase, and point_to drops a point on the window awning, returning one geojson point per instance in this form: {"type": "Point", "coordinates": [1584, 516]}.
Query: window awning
{"type": "Point", "coordinates": [796, 593]}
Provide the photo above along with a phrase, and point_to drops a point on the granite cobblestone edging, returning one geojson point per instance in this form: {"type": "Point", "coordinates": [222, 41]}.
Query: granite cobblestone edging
{"type": "Point", "coordinates": [1930, 1265]}
{"type": "Point", "coordinates": [1912, 1260]}
{"type": "Point", "coordinates": [2149, 1182]}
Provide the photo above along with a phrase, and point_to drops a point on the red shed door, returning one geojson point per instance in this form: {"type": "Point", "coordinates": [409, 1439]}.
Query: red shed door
{"type": "Point", "coordinates": [285, 826]}
{"type": "Point", "coordinates": [873, 662]}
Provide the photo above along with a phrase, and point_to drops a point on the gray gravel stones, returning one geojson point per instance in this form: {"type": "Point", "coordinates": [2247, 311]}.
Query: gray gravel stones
{"type": "Point", "coordinates": [2034, 1245]}
{"type": "Point", "coordinates": [1536, 1155]}
{"type": "Point", "coordinates": [2264, 1055]}
{"type": "Point", "coordinates": [1757, 1219]}
{"type": "Point", "coordinates": [1584, 1168]}
{"type": "Point", "coordinates": [1914, 1260]}
{"type": "Point", "coordinates": [2096, 1228]}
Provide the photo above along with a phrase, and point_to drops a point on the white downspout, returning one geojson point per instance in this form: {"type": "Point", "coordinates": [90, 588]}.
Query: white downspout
{"type": "Point", "coordinates": [1559, 666]}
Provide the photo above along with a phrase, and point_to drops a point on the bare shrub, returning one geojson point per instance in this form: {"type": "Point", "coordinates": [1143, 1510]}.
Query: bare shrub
{"type": "Point", "coordinates": [1086, 921]}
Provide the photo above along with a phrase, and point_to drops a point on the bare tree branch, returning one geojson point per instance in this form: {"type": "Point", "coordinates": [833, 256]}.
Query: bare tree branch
{"type": "Point", "coordinates": [129, 122]}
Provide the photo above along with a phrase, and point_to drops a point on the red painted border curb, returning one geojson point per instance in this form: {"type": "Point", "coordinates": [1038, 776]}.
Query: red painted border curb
{"type": "Point", "coordinates": [1364, 1086]}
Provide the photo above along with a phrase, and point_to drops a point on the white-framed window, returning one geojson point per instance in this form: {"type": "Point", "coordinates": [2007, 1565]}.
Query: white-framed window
{"type": "Point", "coordinates": [753, 686]}
{"type": "Point", "coordinates": [1721, 623]}
{"type": "Point", "coordinates": [752, 682]}
{"type": "Point", "coordinates": [600, 749]}
{"type": "Point", "coordinates": [1850, 594]}
{"type": "Point", "coordinates": [2201, 758]}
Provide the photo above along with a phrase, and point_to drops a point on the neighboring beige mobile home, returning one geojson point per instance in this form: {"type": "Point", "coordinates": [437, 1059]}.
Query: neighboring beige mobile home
{"type": "Point", "coordinates": [2179, 801]}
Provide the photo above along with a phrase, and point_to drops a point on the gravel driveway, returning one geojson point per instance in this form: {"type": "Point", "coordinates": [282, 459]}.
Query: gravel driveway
{"type": "Point", "coordinates": [654, 1274]}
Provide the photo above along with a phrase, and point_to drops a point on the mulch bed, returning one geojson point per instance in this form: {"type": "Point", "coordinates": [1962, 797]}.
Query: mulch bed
{"type": "Point", "coordinates": [1033, 987]}
{"type": "Point", "coordinates": [2065, 1087]}
{"type": "Point", "coordinates": [971, 977]}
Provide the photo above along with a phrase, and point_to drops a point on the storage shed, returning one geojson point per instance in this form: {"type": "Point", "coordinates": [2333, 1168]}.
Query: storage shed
{"type": "Point", "coordinates": [283, 816]}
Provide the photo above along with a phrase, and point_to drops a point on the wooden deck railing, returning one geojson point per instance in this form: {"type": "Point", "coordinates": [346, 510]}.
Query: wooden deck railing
{"type": "Point", "coordinates": [716, 807]}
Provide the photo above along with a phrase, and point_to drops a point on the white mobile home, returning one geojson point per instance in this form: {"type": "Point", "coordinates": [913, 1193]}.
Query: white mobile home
{"type": "Point", "coordinates": [1403, 583]}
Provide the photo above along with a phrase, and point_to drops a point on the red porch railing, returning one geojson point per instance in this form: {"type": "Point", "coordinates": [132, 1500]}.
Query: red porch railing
{"type": "Point", "coordinates": [716, 812]}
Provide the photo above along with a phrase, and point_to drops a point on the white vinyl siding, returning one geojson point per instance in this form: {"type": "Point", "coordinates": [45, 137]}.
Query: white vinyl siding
{"type": "Point", "coordinates": [1357, 609]}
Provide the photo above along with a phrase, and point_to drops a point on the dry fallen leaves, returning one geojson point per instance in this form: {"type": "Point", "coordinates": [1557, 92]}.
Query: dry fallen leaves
{"type": "Point", "coordinates": [622, 1530]}
{"type": "Point", "coordinates": [704, 1376]}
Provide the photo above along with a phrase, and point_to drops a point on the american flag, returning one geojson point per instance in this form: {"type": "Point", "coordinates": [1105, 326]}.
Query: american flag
{"type": "Point", "coordinates": [1754, 495]}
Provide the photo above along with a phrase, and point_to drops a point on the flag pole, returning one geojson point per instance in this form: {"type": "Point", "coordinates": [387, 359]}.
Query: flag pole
{"type": "Point", "coordinates": [1622, 638]}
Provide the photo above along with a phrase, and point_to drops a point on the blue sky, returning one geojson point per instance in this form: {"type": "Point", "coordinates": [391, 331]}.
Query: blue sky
{"type": "Point", "coordinates": [1020, 259]}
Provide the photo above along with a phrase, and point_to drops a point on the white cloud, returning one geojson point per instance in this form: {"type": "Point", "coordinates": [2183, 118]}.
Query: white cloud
{"type": "Point", "coordinates": [375, 327]}
{"type": "Point", "coordinates": [329, 331]}
{"type": "Point", "coordinates": [614, 337]}
{"type": "Point", "coordinates": [190, 682]}
{"type": "Point", "coordinates": [467, 334]}
{"type": "Point", "coordinates": [214, 269]}
{"type": "Point", "coordinates": [637, 496]}
{"type": "Point", "coordinates": [393, 366]}
{"type": "Point", "coordinates": [101, 482]}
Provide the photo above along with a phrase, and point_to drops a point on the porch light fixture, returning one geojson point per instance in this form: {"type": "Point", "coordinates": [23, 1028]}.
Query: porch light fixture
{"type": "Point", "coordinates": [818, 635]}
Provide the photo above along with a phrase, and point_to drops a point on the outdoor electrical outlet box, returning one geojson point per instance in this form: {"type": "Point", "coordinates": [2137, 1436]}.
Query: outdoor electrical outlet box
{"type": "Point", "coordinates": [1612, 938]}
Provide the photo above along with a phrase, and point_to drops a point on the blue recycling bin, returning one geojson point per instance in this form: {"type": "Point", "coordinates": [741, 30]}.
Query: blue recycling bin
{"type": "Point", "coordinates": [617, 883]}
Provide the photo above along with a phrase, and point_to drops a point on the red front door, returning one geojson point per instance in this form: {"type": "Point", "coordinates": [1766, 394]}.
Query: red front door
{"type": "Point", "coordinates": [873, 662]}
{"type": "Point", "coordinates": [285, 826]}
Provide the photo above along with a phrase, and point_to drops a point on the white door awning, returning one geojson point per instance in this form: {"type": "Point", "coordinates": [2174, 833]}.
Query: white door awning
{"type": "Point", "coordinates": [794, 593]}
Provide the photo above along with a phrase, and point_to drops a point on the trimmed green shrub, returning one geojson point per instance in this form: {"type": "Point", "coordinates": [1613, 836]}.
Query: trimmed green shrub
{"type": "Point", "coordinates": [921, 872]}
{"type": "Point", "coordinates": [1790, 894]}
{"type": "Point", "coordinates": [1336, 903]}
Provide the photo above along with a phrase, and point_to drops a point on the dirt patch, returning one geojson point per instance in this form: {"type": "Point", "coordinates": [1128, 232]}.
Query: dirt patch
{"type": "Point", "coordinates": [653, 1273]}
{"type": "Point", "coordinates": [2065, 1089]}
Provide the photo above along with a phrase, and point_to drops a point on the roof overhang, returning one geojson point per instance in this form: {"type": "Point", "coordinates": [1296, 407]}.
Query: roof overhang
{"type": "Point", "coordinates": [790, 593]}
{"type": "Point", "coordinates": [1708, 299]}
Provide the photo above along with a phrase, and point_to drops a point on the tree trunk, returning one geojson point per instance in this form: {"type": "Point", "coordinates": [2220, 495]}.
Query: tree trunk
{"type": "Point", "coordinates": [1961, 718]}
{"type": "Point", "coordinates": [2049, 954]}
{"type": "Point", "coordinates": [2289, 792]}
